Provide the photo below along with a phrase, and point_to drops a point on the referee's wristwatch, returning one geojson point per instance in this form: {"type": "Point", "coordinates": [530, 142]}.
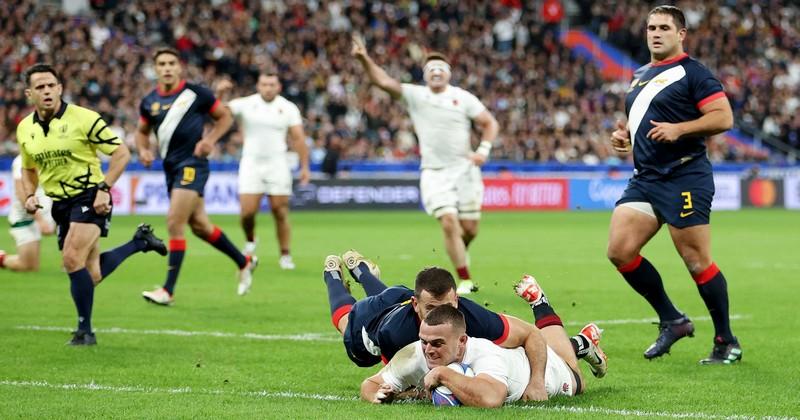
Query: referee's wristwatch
{"type": "Point", "coordinates": [102, 186]}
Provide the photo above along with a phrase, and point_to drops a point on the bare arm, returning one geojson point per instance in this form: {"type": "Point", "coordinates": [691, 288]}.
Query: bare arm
{"type": "Point", "coordinates": [142, 137]}
{"type": "Point", "coordinates": [299, 145]}
{"type": "Point", "coordinates": [222, 123]}
{"type": "Point", "coordinates": [717, 118]}
{"type": "Point", "coordinates": [523, 334]}
{"type": "Point", "coordinates": [479, 391]}
{"type": "Point", "coordinates": [30, 180]}
{"type": "Point", "coordinates": [376, 74]}
{"type": "Point", "coordinates": [489, 130]}
{"type": "Point", "coordinates": [119, 160]}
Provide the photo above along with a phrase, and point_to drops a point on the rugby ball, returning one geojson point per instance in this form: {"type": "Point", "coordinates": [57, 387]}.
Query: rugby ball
{"type": "Point", "coordinates": [442, 396]}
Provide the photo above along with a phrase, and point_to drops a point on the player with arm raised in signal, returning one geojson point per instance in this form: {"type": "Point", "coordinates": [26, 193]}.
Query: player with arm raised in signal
{"type": "Point", "coordinates": [450, 182]}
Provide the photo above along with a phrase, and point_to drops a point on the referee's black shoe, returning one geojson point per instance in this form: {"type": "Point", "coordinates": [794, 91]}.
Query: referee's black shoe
{"type": "Point", "coordinates": [145, 233]}
{"type": "Point", "coordinates": [668, 333]}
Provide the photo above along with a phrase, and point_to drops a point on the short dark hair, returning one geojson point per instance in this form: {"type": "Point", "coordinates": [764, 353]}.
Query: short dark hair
{"type": "Point", "coordinates": [436, 55]}
{"type": "Point", "coordinates": [435, 280]}
{"type": "Point", "coordinates": [41, 68]}
{"type": "Point", "coordinates": [270, 73]}
{"type": "Point", "coordinates": [165, 50]}
{"type": "Point", "coordinates": [446, 314]}
{"type": "Point", "coordinates": [674, 11]}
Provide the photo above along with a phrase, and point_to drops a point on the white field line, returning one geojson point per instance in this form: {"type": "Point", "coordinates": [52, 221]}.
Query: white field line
{"type": "Point", "coordinates": [184, 333]}
{"type": "Point", "coordinates": [601, 323]}
{"type": "Point", "coordinates": [322, 397]}
{"type": "Point", "coordinates": [310, 336]}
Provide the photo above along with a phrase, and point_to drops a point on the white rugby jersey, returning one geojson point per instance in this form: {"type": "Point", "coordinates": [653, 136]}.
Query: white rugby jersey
{"type": "Point", "coordinates": [442, 122]}
{"type": "Point", "coordinates": [509, 366]}
{"type": "Point", "coordinates": [265, 124]}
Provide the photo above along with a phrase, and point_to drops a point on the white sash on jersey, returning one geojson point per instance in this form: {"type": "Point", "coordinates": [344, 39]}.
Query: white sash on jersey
{"type": "Point", "coordinates": [176, 112]}
{"type": "Point", "coordinates": [654, 86]}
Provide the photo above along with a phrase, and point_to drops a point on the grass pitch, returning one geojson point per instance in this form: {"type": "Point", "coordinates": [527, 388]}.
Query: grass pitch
{"type": "Point", "coordinates": [274, 353]}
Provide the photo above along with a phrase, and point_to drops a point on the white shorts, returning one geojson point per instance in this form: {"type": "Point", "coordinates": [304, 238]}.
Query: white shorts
{"type": "Point", "coordinates": [26, 234]}
{"type": "Point", "coordinates": [558, 377]}
{"type": "Point", "coordinates": [265, 176]}
{"type": "Point", "coordinates": [452, 190]}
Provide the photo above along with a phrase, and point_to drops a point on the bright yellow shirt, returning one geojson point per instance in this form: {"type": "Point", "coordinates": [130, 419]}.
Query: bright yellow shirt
{"type": "Point", "coordinates": [64, 149]}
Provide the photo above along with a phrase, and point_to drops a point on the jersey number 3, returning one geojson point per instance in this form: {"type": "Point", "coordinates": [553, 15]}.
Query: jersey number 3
{"type": "Point", "coordinates": [687, 203]}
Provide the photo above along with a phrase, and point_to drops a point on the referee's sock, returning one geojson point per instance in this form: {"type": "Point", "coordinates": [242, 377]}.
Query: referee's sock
{"type": "Point", "coordinates": [82, 289]}
{"type": "Point", "coordinates": [177, 249]}
{"type": "Point", "coordinates": [218, 240]}
{"type": "Point", "coordinates": [714, 290]}
{"type": "Point", "coordinates": [111, 259]}
{"type": "Point", "coordinates": [644, 278]}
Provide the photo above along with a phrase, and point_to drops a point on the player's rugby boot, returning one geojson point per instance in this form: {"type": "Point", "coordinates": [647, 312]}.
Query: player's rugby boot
{"type": "Point", "coordinates": [144, 232]}
{"type": "Point", "coordinates": [668, 333]}
{"type": "Point", "coordinates": [352, 259]}
{"type": "Point", "coordinates": [333, 264]}
{"type": "Point", "coordinates": [246, 275]}
{"type": "Point", "coordinates": [597, 359]}
{"type": "Point", "coordinates": [723, 353]}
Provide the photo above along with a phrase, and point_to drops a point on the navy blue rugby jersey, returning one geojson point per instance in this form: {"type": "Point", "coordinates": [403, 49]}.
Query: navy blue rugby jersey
{"type": "Point", "coordinates": [177, 118]}
{"type": "Point", "coordinates": [671, 91]}
{"type": "Point", "coordinates": [400, 326]}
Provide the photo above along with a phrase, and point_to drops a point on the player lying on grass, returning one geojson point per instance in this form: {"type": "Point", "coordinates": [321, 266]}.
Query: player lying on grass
{"type": "Point", "coordinates": [388, 319]}
{"type": "Point", "coordinates": [500, 373]}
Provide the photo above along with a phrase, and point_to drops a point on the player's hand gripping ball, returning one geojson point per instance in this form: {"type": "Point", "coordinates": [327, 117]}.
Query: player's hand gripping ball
{"type": "Point", "coordinates": [442, 396]}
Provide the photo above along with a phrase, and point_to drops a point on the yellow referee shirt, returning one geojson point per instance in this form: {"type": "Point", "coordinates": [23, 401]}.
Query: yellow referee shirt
{"type": "Point", "coordinates": [64, 150]}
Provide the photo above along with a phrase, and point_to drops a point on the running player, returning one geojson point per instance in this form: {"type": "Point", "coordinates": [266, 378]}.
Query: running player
{"type": "Point", "coordinates": [176, 111]}
{"type": "Point", "coordinates": [450, 181]}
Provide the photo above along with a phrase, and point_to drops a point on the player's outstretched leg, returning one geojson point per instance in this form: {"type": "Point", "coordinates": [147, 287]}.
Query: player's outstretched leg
{"type": "Point", "coordinates": [144, 240]}
{"type": "Point", "coordinates": [587, 347]}
{"type": "Point", "coordinates": [364, 271]}
{"type": "Point", "coordinates": [339, 296]}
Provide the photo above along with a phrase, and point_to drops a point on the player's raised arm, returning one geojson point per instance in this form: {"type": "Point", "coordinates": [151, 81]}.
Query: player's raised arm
{"type": "Point", "coordinates": [523, 334]}
{"type": "Point", "coordinates": [376, 74]}
{"type": "Point", "coordinates": [142, 137]}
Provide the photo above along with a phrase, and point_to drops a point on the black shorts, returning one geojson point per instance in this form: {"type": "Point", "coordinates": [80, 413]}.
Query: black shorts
{"type": "Point", "coordinates": [681, 199]}
{"type": "Point", "coordinates": [78, 209]}
{"type": "Point", "coordinates": [363, 314]}
{"type": "Point", "coordinates": [190, 174]}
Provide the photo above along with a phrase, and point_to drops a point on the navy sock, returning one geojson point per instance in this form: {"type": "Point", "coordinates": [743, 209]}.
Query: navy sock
{"type": "Point", "coordinates": [338, 296]}
{"type": "Point", "coordinates": [544, 314]}
{"type": "Point", "coordinates": [177, 249]}
{"type": "Point", "coordinates": [644, 278]}
{"type": "Point", "coordinates": [82, 289]}
{"type": "Point", "coordinates": [714, 290]}
{"type": "Point", "coordinates": [218, 240]}
{"type": "Point", "coordinates": [111, 259]}
{"type": "Point", "coordinates": [371, 284]}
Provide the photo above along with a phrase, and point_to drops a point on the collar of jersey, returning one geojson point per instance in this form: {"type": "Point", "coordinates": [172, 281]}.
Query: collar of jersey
{"type": "Point", "coordinates": [671, 60]}
{"type": "Point", "coordinates": [173, 91]}
{"type": "Point", "coordinates": [58, 114]}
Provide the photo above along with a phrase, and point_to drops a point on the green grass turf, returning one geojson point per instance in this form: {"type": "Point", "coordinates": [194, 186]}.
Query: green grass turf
{"type": "Point", "coordinates": [133, 374]}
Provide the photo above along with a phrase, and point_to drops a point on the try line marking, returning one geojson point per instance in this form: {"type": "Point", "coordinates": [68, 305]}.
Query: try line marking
{"type": "Point", "coordinates": [139, 389]}
{"type": "Point", "coordinates": [306, 336]}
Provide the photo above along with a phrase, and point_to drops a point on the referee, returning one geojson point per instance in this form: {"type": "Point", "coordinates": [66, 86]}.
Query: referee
{"type": "Point", "coordinates": [59, 144]}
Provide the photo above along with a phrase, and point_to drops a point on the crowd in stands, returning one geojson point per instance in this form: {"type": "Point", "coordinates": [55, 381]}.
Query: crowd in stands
{"type": "Point", "coordinates": [551, 105]}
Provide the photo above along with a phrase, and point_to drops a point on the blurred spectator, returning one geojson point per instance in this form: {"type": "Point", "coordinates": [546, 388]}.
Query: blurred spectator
{"type": "Point", "coordinates": [551, 105]}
